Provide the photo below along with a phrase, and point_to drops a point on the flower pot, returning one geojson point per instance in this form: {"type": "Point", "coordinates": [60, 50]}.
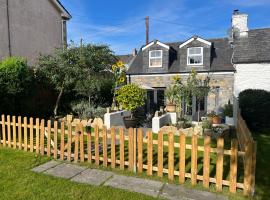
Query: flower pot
{"type": "Point", "coordinates": [229, 121]}
{"type": "Point", "coordinates": [131, 122]}
{"type": "Point", "coordinates": [171, 107]}
{"type": "Point", "coordinates": [216, 120]}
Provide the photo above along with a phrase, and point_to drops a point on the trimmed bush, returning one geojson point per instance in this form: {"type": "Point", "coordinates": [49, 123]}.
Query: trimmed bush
{"type": "Point", "coordinates": [255, 108]}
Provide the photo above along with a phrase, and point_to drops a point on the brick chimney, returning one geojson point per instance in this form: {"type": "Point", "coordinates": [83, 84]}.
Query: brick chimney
{"type": "Point", "coordinates": [239, 24]}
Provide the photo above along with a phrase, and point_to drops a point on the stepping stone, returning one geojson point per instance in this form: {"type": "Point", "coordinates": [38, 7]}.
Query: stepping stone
{"type": "Point", "coordinates": [92, 177]}
{"type": "Point", "coordinates": [177, 192]}
{"type": "Point", "coordinates": [139, 185]}
{"type": "Point", "coordinates": [65, 170]}
{"type": "Point", "coordinates": [45, 166]}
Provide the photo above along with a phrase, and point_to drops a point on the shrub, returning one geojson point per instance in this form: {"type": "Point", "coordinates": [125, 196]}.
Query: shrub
{"type": "Point", "coordinates": [84, 111]}
{"type": "Point", "coordinates": [130, 97]}
{"type": "Point", "coordinates": [228, 110]}
{"type": "Point", "coordinates": [15, 82]}
{"type": "Point", "coordinates": [255, 107]}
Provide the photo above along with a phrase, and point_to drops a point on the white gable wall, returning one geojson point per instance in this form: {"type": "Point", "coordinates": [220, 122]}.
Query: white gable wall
{"type": "Point", "coordinates": [251, 76]}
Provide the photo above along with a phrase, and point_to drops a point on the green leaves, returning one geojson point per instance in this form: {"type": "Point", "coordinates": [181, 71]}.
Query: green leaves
{"type": "Point", "coordinates": [130, 97]}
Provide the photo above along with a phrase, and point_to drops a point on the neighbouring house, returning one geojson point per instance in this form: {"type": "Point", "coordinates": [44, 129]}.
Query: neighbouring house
{"type": "Point", "coordinates": [234, 63]}
{"type": "Point", "coordinates": [32, 27]}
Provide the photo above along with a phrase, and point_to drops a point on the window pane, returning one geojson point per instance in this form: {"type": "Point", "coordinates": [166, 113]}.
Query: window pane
{"type": "Point", "coordinates": [155, 62]}
{"type": "Point", "coordinates": [156, 53]}
{"type": "Point", "coordinates": [195, 59]}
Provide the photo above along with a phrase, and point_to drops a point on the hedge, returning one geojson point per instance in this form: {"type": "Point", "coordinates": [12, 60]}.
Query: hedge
{"type": "Point", "coordinates": [255, 108]}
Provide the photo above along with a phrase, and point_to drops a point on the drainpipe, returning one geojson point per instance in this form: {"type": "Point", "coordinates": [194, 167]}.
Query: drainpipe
{"type": "Point", "coordinates": [8, 28]}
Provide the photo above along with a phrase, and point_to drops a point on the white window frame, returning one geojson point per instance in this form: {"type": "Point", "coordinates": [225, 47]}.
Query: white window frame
{"type": "Point", "coordinates": [188, 55]}
{"type": "Point", "coordinates": [161, 57]}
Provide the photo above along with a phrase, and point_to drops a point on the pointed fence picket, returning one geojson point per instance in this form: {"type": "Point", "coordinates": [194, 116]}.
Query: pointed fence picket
{"type": "Point", "coordinates": [133, 150]}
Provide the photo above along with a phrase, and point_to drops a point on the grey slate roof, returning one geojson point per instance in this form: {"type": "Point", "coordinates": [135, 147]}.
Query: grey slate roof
{"type": "Point", "coordinates": [220, 61]}
{"type": "Point", "coordinates": [126, 58]}
{"type": "Point", "coordinates": [253, 49]}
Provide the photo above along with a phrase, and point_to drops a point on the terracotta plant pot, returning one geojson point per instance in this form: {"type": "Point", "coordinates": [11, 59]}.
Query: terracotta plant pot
{"type": "Point", "coordinates": [216, 120]}
{"type": "Point", "coordinates": [171, 107]}
{"type": "Point", "coordinates": [131, 122]}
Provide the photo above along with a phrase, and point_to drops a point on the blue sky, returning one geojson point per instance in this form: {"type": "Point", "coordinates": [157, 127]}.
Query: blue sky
{"type": "Point", "coordinates": [120, 23]}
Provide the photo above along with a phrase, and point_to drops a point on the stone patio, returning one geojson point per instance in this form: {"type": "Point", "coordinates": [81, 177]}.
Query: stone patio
{"type": "Point", "coordinates": [148, 187]}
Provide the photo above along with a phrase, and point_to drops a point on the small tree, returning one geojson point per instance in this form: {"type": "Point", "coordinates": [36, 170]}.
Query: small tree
{"type": "Point", "coordinates": [130, 97]}
{"type": "Point", "coordinates": [61, 69]}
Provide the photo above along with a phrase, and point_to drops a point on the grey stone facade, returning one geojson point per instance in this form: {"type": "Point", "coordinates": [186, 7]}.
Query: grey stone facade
{"type": "Point", "coordinates": [35, 27]}
{"type": "Point", "coordinates": [221, 86]}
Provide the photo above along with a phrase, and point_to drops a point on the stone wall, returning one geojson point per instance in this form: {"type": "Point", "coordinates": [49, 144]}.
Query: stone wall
{"type": "Point", "coordinates": [225, 83]}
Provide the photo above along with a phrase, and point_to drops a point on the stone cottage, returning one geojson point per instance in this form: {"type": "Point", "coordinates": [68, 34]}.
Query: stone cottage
{"type": "Point", "coordinates": [233, 64]}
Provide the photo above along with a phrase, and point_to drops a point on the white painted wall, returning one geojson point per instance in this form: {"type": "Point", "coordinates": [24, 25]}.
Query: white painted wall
{"type": "Point", "coordinates": [251, 76]}
{"type": "Point", "coordinates": [115, 118]}
{"type": "Point", "coordinates": [159, 122]}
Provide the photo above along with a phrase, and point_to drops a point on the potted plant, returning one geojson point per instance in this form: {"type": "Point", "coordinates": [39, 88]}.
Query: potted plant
{"type": "Point", "coordinates": [214, 118]}
{"type": "Point", "coordinates": [207, 127]}
{"type": "Point", "coordinates": [228, 113]}
{"type": "Point", "coordinates": [130, 97]}
{"type": "Point", "coordinates": [171, 96]}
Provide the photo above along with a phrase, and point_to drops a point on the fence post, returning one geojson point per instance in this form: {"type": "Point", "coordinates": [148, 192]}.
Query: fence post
{"type": "Point", "coordinates": [233, 165]}
{"type": "Point", "coordinates": [182, 163]}
{"type": "Point", "coordinates": [219, 164]}
{"type": "Point", "coordinates": [160, 154]}
{"type": "Point", "coordinates": [76, 149]}
{"type": "Point", "coordinates": [42, 137]}
{"type": "Point", "coordinates": [25, 135]}
{"type": "Point", "coordinates": [14, 132]}
{"type": "Point", "coordinates": [140, 150]}
{"type": "Point", "coordinates": [194, 152]}
{"type": "Point", "coordinates": [81, 129]}
{"type": "Point", "coordinates": [130, 149]}
{"type": "Point", "coordinates": [122, 149]}
{"type": "Point", "coordinates": [171, 157]}
{"type": "Point", "coordinates": [248, 169]}
{"type": "Point", "coordinates": [113, 147]}
{"type": "Point", "coordinates": [49, 138]}
{"type": "Point", "coordinates": [69, 141]}
{"type": "Point", "coordinates": [9, 131]}
{"type": "Point", "coordinates": [96, 130]}
{"type": "Point", "coordinates": [55, 126]}
{"type": "Point", "coordinates": [104, 138]}
{"type": "Point", "coordinates": [253, 169]}
{"type": "Point", "coordinates": [206, 161]}
{"type": "Point", "coordinates": [134, 150]}
{"type": "Point", "coordinates": [37, 136]}
{"type": "Point", "coordinates": [149, 153]}
{"type": "Point", "coordinates": [4, 130]}
{"type": "Point", "coordinates": [20, 132]}
{"type": "Point", "coordinates": [62, 143]}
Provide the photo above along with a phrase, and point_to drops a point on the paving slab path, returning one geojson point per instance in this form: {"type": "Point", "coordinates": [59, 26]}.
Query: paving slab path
{"type": "Point", "coordinates": [104, 178]}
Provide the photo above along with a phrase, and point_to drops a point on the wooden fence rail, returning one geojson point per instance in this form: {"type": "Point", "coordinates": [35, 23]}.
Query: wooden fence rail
{"type": "Point", "coordinates": [178, 157]}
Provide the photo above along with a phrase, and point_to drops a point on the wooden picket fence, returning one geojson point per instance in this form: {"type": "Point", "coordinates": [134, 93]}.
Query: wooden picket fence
{"type": "Point", "coordinates": [154, 154]}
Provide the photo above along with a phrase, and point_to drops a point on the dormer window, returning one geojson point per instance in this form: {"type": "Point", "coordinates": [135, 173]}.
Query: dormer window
{"type": "Point", "coordinates": [195, 56]}
{"type": "Point", "coordinates": [155, 58]}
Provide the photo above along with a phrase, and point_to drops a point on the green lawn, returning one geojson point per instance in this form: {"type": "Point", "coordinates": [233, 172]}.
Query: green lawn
{"type": "Point", "coordinates": [263, 165]}
{"type": "Point", "coordinates": [18, 182]}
